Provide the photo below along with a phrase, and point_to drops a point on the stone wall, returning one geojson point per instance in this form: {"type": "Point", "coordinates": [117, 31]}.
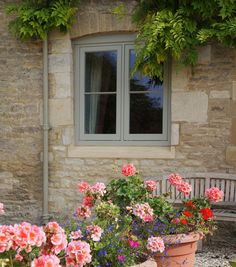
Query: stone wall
{"type": "Point", "coordinates": [203, 118]}
{"type": "Point", "coordinates": [20, 130]}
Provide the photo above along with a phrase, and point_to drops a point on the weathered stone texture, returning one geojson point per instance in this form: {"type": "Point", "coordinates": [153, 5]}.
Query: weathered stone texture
{"type": "Point", "coordinates": [20, 131]}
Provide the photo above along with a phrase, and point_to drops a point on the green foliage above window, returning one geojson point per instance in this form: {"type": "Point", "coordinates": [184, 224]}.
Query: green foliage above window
{"type": "Point", "coordinates": [177, 28]}
{"type": "Point", "coordinates": [35, 18]}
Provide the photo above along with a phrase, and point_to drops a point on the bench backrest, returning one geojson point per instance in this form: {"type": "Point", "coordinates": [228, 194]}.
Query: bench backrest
{"type": "Point", "coordinates": [200, 182]}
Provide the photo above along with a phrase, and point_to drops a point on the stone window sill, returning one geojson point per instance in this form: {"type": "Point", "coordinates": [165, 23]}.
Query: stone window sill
{"type": "Point", "coordinates": [134, 152]}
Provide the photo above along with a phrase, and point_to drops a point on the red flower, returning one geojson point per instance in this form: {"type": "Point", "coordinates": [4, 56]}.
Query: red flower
{"type": "Point", "coordinates": [183, 221]}
{"type": "Point", "coordinates": [187, 213]}
{"type": "Point", "coordinates": [190, 204]}
{"type": "Point", "coordinates": [206, 213]}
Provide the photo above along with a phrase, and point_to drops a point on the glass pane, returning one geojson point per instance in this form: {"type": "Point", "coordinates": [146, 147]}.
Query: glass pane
{"type": "Point", "coordinates": [100, 114]}
{"type": "Point", "coordinates": [146, 113]}
{"type": "Point", "coordinates": [140, 82]}
{"type": "Point", "coordinates": [100, 71]}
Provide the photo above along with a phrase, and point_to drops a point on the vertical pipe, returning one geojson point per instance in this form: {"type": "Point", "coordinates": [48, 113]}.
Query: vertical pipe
{"type": "Point", "coordinates": [45, 215]}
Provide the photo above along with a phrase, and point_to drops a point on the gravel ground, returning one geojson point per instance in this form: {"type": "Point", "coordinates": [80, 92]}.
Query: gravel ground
{"type": "Point", "coordinates": [215, 255]}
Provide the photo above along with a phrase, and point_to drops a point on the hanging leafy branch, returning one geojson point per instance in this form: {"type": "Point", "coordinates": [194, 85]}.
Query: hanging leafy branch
{"type": "Point", "coordinates": [35, 18]}
{"type": "Point", "coordinates": [178, 28]}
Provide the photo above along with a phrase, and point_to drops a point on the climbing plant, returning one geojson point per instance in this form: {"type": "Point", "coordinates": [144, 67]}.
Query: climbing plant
{"type": "Point", "coordinates": [35, 18]}
{"type": "Point", "coordinates": [178, 27]}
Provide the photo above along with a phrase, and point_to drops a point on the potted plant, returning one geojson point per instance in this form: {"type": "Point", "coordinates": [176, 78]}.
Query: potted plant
{"type": "Point", "coordinates": [130, 225]}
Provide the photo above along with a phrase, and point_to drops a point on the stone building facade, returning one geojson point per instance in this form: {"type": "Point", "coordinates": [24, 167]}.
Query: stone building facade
{"type": "Point", "coordinates": [203, 118]}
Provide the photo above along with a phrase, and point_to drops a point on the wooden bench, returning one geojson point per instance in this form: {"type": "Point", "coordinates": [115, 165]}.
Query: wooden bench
{"type": "Point", "coordinates": [224, 210]}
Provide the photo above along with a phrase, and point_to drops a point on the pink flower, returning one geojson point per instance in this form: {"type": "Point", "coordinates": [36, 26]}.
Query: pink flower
{"type": "Point", "coordinates": [121, 257]}
{"type": "Point", "coordinates": [95, 232]}
{"type": "Point", "coordinates": [155, 244]}
{"type": "Point", "coordinates": [144, 212]}
{"type": "Point", "coordinates": [175, 179]}
{"type": "Point", "coordinates": [185, 188]}
{"type": "Point", "coordinates": [46, 261]}
{"type": "Point", "coordinates": [83, 186]}
{"type": "Point", "coordinates": [7, 233]}
{"type": "Point", "coordinates": [98, 188]}
{"type": "Point", "coordinates": [1, 209]}
{"type": "Point", "coordinates": [83, 212]}
{"type": "Point", "coordinates": [129, 170]}
{"type": "Point", "coordinates": [56, 238]}
{"type": "Point", "coordinates": [88, 201]}
{"type": "Point", "coordinates": [214, 194]}
{"type": "Point", "coordinates": [76, 235]}
{"type": "Point", "coordinates": [175, 220]}
{"type": "Point", "coordinates": [133, 243]}
{"type": "Point", "coordinates": [151, 185]}
{"type": "Point", "coordinates": [78, 254]}
{"type": "Point", "coordinates": [18, 257]}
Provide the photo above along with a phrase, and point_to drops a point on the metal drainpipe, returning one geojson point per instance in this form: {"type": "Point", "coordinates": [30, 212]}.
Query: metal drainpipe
{"type": "Point", "coordinates": [45, 215]}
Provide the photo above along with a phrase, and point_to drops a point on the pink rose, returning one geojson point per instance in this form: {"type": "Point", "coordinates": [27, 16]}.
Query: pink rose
{"type": "Point", "coordinates": [129, 170]}
{"type": "Point", "coordinates": [185, 188]}
{"type": "Point", "coordinates": [214, 194]}
{"type": "Point", "coordinates": [175, 179]}
{"type": "Point", "coordinates": [155, 244]}
{"type": "Point", "coordinates": [151, 185]}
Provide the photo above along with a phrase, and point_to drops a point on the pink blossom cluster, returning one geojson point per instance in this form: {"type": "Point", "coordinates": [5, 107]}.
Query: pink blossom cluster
{"type": "Point", "coordinates": [151, 185]}
{"type": "Point", "coordinates": [20, 237]}
{"type": "Point", "coordinates": [177, 181]}
{"type": "Point", "coordinates": [83, 212]}
{"type": "Point", "coordinates": [1, 208]}
{"type": "Point", "coordinates": [56, 238]}
{"type": "Point", "coordinates": [95, 232]}
{"type": "Point", "coordinates": [46, 261]}
{"type": "Point", "coordinates": [78, 254]}
{"type": "Point", "coordinates": [96, 189]}
{"type": "Point", "coordinates": [155, 244]}
{"type": "Point", "coordinates": [214, 194]}
{"type": "Point", "coordinates": [76, 235]}
{"type": "Point", "coordinates": [143, 211]}
{"type": "Point", "coordinates": [128, 170]}
{"type": "Point", "coordinates": [88, 201]}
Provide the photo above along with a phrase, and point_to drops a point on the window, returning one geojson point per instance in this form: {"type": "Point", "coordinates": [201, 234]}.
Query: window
{"type": "Point", "coordinates": [111, 106]}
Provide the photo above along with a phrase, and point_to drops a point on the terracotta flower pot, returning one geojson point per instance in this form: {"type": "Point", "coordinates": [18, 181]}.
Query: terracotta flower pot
{"type": "Point", "coordinates": [180, 250]}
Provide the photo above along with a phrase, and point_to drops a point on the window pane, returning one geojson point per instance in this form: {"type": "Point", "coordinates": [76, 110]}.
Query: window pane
{"type": "Point", "coordinates": [100, 114]}
{"type": "Point", "coordinates": [100, 71]}
{"type": "Point", "coordinates": [140, 82]}
{"type": "Point", "coordinates": [146, 113]}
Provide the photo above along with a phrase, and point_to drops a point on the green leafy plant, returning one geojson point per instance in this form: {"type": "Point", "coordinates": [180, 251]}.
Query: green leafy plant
{"type": "Point", "coordinates": [35, 18]}
{"type": "Point", "coordinates": [177, 28]}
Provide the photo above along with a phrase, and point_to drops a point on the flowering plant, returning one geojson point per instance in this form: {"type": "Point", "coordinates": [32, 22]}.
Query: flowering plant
{"type": "Point", "coordinates": [129, 224]}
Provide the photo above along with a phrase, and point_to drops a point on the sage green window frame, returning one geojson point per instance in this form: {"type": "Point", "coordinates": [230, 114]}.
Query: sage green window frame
{"type": "Point", "coordinates": [122, 44]}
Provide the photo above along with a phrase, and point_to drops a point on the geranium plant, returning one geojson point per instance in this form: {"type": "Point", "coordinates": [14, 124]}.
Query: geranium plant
{"type": "Point", "coordinates": [127, 227]}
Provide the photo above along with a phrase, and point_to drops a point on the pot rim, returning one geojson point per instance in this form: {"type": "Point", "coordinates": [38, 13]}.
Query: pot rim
{"type": "Point", "coordinates": [182, 238]}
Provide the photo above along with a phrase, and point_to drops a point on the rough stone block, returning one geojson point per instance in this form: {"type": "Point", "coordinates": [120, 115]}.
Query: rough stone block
{"type": "Point", "coordinates": [219, 94]}
{"type": "Point", "coordinates": [60, 112]}
{"type": "Point", "coordinates": [231, 154]}
{"type": "Point", "coordinates": [61, 85]}
{"type": "Point", "coordinates": [233, 132]}
{"type": "Point", "coordinates": [233, 109]}
{"type": "Point", "coordinates": [60, 63]}
{"type": "Point", "coordinates": [175, 134]}
{"type": "Point", "coordinates": [204, 54]}
{"type": "Point", "coordinates": [67, 136]}
{"type": "Point", "coordinates": [234, 90]}
{"type": "Point", "coordinates": [180, 77]}
{"type": "Point", "coordinates": [59, 46]}
{"type": "Point", "coordinates": [189, 107]}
